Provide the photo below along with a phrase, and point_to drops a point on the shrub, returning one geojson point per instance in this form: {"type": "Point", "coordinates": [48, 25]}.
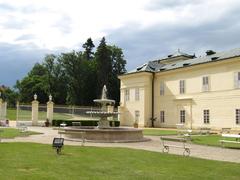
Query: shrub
{"type": "Point", "coordinates": [57, 122]}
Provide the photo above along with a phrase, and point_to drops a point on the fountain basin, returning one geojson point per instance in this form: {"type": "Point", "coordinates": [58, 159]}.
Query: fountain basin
{"type": "Point", "coordinates": [104, 134]}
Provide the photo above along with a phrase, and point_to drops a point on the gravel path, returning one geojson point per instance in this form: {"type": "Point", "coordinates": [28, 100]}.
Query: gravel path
{"type": "Point", "coordinates": [199, 151]}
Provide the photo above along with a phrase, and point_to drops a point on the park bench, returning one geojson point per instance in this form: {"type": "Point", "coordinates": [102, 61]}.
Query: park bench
{"type": "Point", "coordinates": [166, 146]}
{"type": "Point", "coordinates": [1, 131]}
{"type": "Point", "coordinates": [205, 130]}
{"type": "Point", "coordinates": [22, 127]}
{"type": "Point", "coordinates": [236, 141]}
{"type": "Point", "coordinates": [225, 130]}
{"type": "Point", "coordinates": [76, 124]}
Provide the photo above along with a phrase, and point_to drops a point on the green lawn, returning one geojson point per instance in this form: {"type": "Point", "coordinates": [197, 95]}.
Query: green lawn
{"type": "Point", "coordinates": [213, 140]}
{"type": "Point", "coordinates": [12, 133]}
{"type": "Point", "coordinates": [26, 115]}
{"type": "Point", "coordinates": [158, 132]}
{"type": "Point", "coordinates": [38, 161]}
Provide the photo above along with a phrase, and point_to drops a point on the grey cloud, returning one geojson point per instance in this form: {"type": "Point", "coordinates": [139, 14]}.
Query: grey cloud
{"type": "Point", "coordinates": [17, 60]}
{"type": "Point", "coordinates": [64, 24]}
{"type": "Point", "coordinates": [25, 37]}
{"type": "Point", "coordinates": [166, 4]}
{"type": "Point", "coordinates": [142, 45]}
{"type": "Point", "coordinates": [6, 7]}
{"type": "Point", "coordinates": [15, 23]}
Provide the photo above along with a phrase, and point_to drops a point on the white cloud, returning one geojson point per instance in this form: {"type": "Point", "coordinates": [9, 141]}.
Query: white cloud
{"type": "Point", "coordinates": [145, 29]}
{"type": "Point", "coordinates": [84, 19]}
{"type": "Point", "coordinates": [66, 23]}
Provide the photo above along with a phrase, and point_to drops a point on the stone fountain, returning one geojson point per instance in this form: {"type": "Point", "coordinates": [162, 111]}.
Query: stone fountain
{"type": "Point", "coordinates": [103, 132]}
{"type": "Point", "coordinates": [103, 114]}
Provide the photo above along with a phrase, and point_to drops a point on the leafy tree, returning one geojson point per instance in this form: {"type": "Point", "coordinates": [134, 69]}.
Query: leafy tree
{"type": "Point", "coordinates": [34, 82]}
{"type": "Point", "coordinates": [72, 65]}
{"type": "Point", "coordinates": [9, 95]}
{"type": "Point", "coordinates": [56, 79]}
{"type": "Point", "coordinates": [118, 68]}
{"type": "Point", "coordinates": [75, 77]}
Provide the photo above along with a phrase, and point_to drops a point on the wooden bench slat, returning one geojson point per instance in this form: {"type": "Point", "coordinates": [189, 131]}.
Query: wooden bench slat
{"type": "Point", "coordinates": [228, 141]}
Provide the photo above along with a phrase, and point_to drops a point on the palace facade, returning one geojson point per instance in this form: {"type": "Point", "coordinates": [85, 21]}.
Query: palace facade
{"type": "Point", "coordinates": [184, 89]}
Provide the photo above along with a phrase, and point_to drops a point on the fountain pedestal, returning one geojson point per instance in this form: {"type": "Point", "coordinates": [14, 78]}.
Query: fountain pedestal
{"type": "Point", "coordinates": [103, 123]}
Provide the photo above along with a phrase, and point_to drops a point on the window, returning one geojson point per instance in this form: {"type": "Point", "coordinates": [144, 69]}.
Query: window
{"type": "Point", "coordinates": [182, 86]}
{"type": "Point", "coordinates": [237, 116]}
{"type": "Point", "coordinates": [137, 94]}
{"type": "Point", "coordinates": [205, 83]}
{"type": "Point", "coordinates": [137, 115]}
{"type": "Point", "coordinates": [127, 98]}
{"type": "Point", "coordinates": [161, 88]}
{"type": "Point", "coordinates": [237, 80]}
{"type": "Point", "coordinates": [206, 116]}
{"type": "Point", "coordinates": [162, 116]}
{"type": "Point", "coordinates": [182, 116]}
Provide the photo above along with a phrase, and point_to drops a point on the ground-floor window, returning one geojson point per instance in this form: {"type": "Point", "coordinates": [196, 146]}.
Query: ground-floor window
{"type": "Point", "coordinates": [237, 116]}
{"type": "Point", "coordinates": [162, 116]}
{"type": "Point", "coordinates": [182, 116]}
{"type": "Point", "coordinates": [206, 116]}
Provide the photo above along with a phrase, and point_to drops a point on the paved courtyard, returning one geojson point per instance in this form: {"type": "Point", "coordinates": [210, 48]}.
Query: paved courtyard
{"type": "Point", "coordinates": [199, 151]}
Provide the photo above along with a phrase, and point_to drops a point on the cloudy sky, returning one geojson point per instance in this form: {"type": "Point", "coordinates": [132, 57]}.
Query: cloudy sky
{"type": "Point", "coordinates": [144, 29]}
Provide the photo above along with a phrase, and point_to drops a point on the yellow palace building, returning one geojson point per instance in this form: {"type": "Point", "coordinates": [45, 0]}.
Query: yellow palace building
{"type": "Point", "coordinates": [183, 89]}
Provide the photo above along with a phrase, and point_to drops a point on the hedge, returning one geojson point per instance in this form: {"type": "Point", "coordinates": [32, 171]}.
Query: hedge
{"type": "Point", "coordinates": [57, 122]}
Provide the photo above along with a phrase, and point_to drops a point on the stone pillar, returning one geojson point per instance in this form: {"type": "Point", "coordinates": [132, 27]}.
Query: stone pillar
{"type": "Point", "coordinates": [121, 114]}
{"type": "Point", "coordinates": [50, 111]}
{"type": "Point", "coordinates": [1, 110]}
{"type": "Point", "coordinates": [4, 110]}
{"type": "Point", "coordinates": [35, 104]}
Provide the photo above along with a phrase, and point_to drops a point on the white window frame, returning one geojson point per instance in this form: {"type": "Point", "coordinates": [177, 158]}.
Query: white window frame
{"type": "Point", "coordinates": [237, 116]}
{"type": "Point", "coordinates": [162, 116]}
{"type": "Point", "coordinates": [182, 116]}
{"type": "Point", "coordinates": [162, 89]}
{"type": "Point", "coordinates": [205, 83]}
{"type": "Point", "coordinates": [237, 80]}
{"type": "Point", "coordinates": [182, 86]}
{"type": "Point", "coordinates": [127, 94]}
{"type": "Point", "coordinates": [206, 116]}
{"type": "Point", "coordinates": [137, 95]}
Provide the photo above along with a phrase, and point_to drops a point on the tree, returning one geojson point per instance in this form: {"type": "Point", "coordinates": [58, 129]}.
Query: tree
{"type": "Point", "coordinates": [9, 95]}
{"type": "Point", "coordinates": [34, 82]}
{"type": "Point", "coordinates": [72, 64]}
{"type": "Point", "coordinates": [75, 77]}
{"type": "Point", "coordinates": [88, 46]}
{"type": "Point", "coordinates": [56, 79]}
{"type": "Point", "coordinates": [104, 65]}
{"type": "Point", "coordinates": [118, 68]}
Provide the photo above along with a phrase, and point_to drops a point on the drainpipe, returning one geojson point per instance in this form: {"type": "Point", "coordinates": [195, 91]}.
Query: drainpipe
{"type": "Point", "coordinates": [152, 118]}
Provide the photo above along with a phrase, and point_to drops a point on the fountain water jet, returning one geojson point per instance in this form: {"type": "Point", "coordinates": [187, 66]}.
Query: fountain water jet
{"type": "Point", "coordinates": [103, 114]}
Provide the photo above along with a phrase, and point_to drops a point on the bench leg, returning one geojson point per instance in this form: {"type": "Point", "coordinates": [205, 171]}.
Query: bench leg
{"type": "Point", "coordinates": [222, 144]}
{"type": "Point", "coordinates": [186, 152]}
{"type": "Point", "coordinates": [165, 149]}
{"type": "Point", "coordinates": [83, 141]}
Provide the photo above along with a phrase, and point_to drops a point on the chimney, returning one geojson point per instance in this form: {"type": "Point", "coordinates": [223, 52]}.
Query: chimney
{"type": "Point", "coordinates": [210, 52]}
